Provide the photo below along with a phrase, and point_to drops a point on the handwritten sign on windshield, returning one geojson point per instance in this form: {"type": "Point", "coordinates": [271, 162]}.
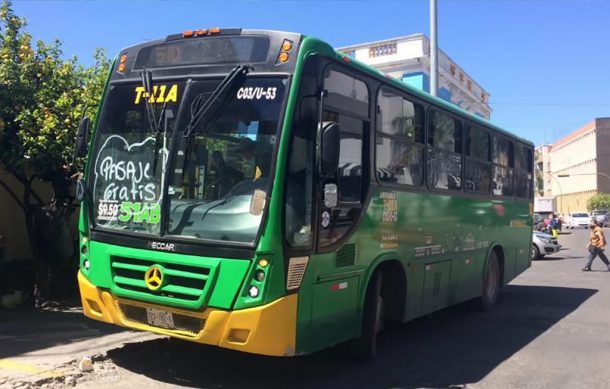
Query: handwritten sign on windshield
{"type": "Point", "coordinates": [126, 187]}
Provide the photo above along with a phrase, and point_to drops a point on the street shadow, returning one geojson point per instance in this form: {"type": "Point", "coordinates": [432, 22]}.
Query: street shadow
{"type": "Point", "coordinates": [559, 257]}
{"type": "Point", "coordinates": [28, 329]}
{"type": "Point", "coordinates": [451, 348]}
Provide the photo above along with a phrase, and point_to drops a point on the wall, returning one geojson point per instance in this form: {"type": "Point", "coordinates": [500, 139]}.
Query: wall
{"type": "Point", "coordinates": [12, 222]}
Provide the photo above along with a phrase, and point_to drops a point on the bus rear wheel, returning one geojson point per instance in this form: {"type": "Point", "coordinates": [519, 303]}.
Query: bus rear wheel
{"type": "Point", "coordinates": [491, 283]}
{"type": "Point", "coordinates": [372, 320]}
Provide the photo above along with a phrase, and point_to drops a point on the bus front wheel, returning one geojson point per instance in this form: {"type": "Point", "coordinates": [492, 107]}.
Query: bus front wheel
{"type": "Point", "coordinates": [372, 320]}
{"type": "Point", "coordinates": [491, 283]}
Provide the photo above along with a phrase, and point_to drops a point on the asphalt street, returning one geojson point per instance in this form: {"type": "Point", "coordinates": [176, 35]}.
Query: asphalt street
{"type": "Point", "coordinates": [550, 330]}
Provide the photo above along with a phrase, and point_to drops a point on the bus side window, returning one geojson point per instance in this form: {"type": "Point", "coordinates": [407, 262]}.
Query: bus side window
{"type": "Point", "coordinates": [504, 161]}
{"type": "Point", "coordinates": [444, 152]}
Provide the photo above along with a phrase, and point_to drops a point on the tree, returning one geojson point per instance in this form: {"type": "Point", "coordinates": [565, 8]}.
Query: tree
{"type": "Point", "coordinates": [42, 98]}
{"type": "Point", "coordinates": [599, 201]}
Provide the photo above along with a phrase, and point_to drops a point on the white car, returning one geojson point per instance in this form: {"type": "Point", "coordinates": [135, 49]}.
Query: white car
{"type": "Point", "coordinates": [543, 244]}
{"type": "Point", "coordinates": [578, 219]}
{"type": "Point", "coordinates": [602, 217]}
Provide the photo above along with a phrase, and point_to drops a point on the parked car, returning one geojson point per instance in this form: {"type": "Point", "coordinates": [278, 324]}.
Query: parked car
{"type": "Point", "coordinates": [602, 216]}
{"type": "Point", "coordinates": [578, 219]}
{"type": "Point", "coordinates": [544, 244]}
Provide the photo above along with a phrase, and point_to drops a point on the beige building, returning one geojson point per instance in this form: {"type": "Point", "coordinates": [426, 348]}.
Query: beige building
{"type": "Point", "coordinates": [580, 166]}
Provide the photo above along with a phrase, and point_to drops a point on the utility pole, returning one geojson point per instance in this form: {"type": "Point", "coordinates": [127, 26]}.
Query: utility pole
{"type": "Point", "coordinates": [433, 50]}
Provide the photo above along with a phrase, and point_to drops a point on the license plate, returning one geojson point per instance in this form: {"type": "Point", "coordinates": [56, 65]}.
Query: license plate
{"type": "Point", "coordinates": [159, 318]}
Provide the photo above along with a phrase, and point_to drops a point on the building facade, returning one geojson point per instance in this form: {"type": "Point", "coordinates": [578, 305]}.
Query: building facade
{"type": "Point", "coordinates": [544, 187]}
{"type": "Point", "coordinates": [408, 58]}
{"type": "Point", "coordinates": [580, 166]}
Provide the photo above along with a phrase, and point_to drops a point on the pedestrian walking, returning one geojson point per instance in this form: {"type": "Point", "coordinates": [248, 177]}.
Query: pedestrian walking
{"type": "Point", "coordinates": [596, 245]}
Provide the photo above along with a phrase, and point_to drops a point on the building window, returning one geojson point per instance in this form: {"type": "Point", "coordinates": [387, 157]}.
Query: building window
{"type": "Point", "coordinates": [469, 85]}
{"type": "Point", "coordinates": [452, 69]}
{"type": "Point", "coordinates": [381, 50]}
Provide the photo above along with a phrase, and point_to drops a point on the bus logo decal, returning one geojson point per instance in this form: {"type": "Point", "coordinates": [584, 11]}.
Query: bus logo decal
{"type": "Point", "coordinates": [162, 246]}
{"type": "Point", "coordinates": [154, 278]}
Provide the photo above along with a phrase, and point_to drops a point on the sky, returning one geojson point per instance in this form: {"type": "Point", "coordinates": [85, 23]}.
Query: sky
{"type": "Point", "coordinates": [545, 63]}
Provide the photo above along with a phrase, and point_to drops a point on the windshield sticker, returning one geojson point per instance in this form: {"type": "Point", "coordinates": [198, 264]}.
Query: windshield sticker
{"type": "Point", "coordinates": [161, 94]}
{"type": "Point", "coordinates": [256, 93]}
{"type": "Point", "coordinates": [140, 212]}
{"type": "Point", "coordinates": [125, 183]}
{"type": "Point", "coordinates": [108, 210]}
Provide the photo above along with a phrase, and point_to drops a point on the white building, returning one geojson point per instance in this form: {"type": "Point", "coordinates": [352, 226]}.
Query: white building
{"type": "Point", "coordinates": [408, 58]}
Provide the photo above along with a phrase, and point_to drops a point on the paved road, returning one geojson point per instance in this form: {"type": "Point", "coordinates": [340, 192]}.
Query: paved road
{"type": "Point", "coordinates": [551, 330]}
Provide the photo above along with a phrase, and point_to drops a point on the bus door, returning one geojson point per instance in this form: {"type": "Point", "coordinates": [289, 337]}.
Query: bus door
{"type": "Point", "coordinates": [341, 193]}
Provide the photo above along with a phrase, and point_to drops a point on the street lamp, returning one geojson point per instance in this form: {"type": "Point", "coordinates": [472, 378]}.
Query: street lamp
{"type": "Point", "coordinates": [560, 193]}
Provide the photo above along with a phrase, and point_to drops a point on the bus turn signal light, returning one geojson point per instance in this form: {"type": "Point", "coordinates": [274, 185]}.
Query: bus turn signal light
{"type": "Point", "coordinates": [284, 57]}
{"type": "Point", "coordinates": [287, 45]}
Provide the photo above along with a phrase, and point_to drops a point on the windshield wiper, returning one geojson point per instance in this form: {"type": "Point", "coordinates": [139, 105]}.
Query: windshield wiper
{"type": "Point", "coordinates": [147, 84]}
{"type": "Point", "coordinates": [168, 115]}
{"type": "Point", "coordinates": [208, 109]}
{"type": "Point", "coordinates": [212, 106]}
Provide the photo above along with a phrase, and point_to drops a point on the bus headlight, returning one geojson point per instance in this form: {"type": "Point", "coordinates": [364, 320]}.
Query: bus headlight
{"type": "Point", "coordinates": [259, 275]}
{"type": "Point", "coordinates": [253, 291]}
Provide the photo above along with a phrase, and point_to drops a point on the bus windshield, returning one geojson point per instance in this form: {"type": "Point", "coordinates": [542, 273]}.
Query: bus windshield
{"type": "Point", "coordinates": [217, 173]}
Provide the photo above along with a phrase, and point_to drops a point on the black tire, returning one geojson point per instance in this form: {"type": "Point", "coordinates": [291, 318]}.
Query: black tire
{"type": "Point", "coordinates": [535, 252]}
{"type": "Point", "coordinates": [490, 288]}
{"type": "Point", "coordinates": [372, 320]}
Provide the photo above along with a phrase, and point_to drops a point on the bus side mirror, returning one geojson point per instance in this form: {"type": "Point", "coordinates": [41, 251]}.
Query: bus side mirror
{"type": "Point", "coordinates": [330, 148]}
{"type": "Point", "coordinates": [80, 149]}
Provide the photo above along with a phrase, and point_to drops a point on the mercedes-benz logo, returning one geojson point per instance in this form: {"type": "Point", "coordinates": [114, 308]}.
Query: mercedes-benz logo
{"type": "Point", "coordinates": [154, 277]}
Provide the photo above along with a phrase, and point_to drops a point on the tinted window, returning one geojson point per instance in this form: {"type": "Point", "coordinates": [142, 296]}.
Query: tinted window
{"type": "Point", "coordinates": [503, 152]}
{"type": "Point", "coordinates": [477, 143]}
{"type": "Point", "coordinates": [444, 155]}
{"type": "Point", "coordinates": [445, 132]}
{"type": "Point", "coordinates": [398, 116]}
{"type": "Point", "coordinates": [399, 145]}
{"type": "Point", "coordinates": [399, 162]}
{"type": "Point", "coordinates": [340, 85]}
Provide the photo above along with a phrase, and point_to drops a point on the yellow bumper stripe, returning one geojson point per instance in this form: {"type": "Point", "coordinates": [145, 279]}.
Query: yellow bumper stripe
{"type": "Point", "coordinates": [269, 329]}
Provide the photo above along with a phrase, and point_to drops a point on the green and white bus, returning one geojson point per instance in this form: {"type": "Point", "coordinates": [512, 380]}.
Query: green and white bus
{"type": "Point", "coordinates": [262, 192]}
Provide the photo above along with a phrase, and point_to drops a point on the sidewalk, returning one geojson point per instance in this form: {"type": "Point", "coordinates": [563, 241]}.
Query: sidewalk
{"type": "Point", "coordinates": [42, 348]}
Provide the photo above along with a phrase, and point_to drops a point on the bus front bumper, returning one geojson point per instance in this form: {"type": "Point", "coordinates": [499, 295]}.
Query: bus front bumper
{"type": "Point", "coordinates": [269, 329]}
